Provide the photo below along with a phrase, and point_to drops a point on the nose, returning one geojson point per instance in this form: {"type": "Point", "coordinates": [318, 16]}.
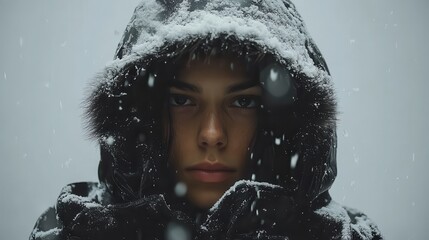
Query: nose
{"type": "Point", "coordinates": [212, 131]}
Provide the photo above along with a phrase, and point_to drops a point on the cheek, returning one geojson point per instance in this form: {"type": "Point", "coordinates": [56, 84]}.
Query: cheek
{"type": "Point", "coordinates": [182, 128]}
{"type": "Point", "coordinates": [182, 134]}
{"type": "Point", "coordinates": [242, 133]}
{"type": "Point", "coordinates": [244, 124]}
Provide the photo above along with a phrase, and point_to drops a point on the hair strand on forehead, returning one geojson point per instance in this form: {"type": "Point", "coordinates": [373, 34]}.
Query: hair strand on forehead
{"type": "Point", "coordinates": [225, 46]}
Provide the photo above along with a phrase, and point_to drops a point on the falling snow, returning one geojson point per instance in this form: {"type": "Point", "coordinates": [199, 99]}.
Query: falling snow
{"type": "Point", "coordinates": [180, 189]}
{"type": "Point", "coordinates": [177, 232]}
{"type": "Point", "coordinates": [66, 164]}
{"type": "Point", "coordinates": [294, 161]}
{"type": "Point", "coordinates": [109, 140]}
{"type": "Point", "coordinates": [273, 75]}
{"type": "Point", "coordinates": [151, 80]}
{"type": "Point", "coordinates": [136, 119]}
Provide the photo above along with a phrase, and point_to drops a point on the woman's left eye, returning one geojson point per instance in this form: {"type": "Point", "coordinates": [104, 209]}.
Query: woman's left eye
{"type": "Point", "coordinates": [246, 102]}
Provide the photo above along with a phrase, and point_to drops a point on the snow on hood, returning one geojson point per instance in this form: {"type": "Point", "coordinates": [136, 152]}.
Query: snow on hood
{"type": "Point", "coordinates": [275, 27]}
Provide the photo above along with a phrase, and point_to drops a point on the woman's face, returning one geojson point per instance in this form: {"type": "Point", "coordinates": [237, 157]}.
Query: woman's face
{"type": "Point", "coordinates": [213, 109]}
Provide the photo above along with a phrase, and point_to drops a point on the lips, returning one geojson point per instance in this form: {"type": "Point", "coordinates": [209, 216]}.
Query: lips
{"type": "Point", "coordinates": [210, 172]}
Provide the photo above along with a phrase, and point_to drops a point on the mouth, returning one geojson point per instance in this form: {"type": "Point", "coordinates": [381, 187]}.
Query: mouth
{"type": "Point", "coordinates": [210, 172]}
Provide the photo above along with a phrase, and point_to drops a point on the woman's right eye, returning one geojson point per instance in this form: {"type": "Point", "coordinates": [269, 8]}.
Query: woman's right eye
{"type": "Point", "coordinates": [180, 100]}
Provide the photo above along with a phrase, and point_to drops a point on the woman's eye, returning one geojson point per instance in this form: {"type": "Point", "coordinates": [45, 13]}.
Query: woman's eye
{"type": "Point", "coordinates": [179, 100]}
{"type": "Point", "coordinates": [246, 102]}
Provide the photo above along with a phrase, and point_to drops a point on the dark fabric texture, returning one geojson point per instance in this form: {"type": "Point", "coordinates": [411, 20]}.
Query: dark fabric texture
{"type": "Point", "coordinates": [285, 195]}
{"type": "Point", "coordinates": [249, 210]}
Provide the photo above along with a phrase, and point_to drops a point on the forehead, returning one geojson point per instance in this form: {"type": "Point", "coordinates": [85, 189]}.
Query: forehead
{"type": "Point", "coordinates": [223, 70]}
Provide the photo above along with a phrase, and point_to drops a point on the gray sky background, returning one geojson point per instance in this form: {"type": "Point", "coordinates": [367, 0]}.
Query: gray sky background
{"type": "Point", "coordinates": [376, 51]}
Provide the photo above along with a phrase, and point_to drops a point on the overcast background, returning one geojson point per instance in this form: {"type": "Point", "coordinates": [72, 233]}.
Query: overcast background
{"type": "Point", "coordinates": [376, 50]}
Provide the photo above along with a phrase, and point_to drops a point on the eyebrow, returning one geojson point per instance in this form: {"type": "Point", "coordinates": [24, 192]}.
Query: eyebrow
{"type": "Point", "coordinates": [184, 86]}
{"type": "Point", "coordinates": [242, 86]}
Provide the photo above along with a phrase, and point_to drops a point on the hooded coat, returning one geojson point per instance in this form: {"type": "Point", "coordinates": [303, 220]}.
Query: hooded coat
{"type": "Point", "coordinates": [293, 162]}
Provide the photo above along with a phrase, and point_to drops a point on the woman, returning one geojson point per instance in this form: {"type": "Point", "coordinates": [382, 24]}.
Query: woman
{"type": "Point", "coordinates": [215, 121]}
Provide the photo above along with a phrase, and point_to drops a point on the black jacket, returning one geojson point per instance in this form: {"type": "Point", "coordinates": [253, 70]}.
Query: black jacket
{"type": "Point", "coordinates": [293, 162]}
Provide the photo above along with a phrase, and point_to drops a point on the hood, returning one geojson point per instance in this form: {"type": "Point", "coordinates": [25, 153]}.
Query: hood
{"type": "Point", "coordinates": [297, 144]}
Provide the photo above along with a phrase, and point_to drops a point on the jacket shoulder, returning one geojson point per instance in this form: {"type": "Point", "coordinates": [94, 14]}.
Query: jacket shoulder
{"type": "Point", "coordinates": [47, 226]}
{"type": "Point", "coordinates": [340, 222]}
{"type": "Point", "coordinates": [362, 227]}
